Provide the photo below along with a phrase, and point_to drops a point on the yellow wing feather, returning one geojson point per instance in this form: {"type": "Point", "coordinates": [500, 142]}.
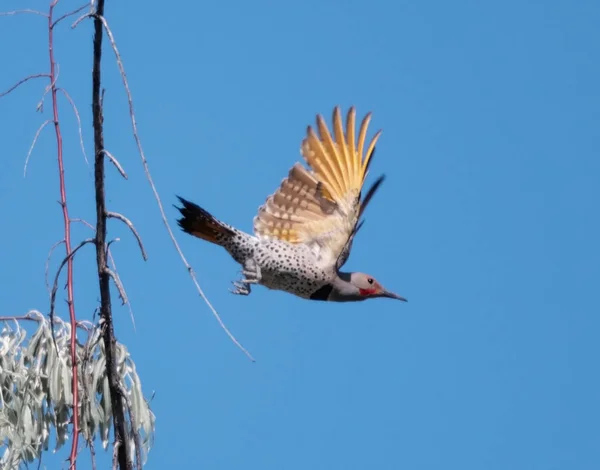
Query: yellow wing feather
{"type": "Point", "coordinates": [351, 137]}
{"type": "Point", "coordinates": [341, 164]}
{"type": "Point", "coordinates": [321, 206]}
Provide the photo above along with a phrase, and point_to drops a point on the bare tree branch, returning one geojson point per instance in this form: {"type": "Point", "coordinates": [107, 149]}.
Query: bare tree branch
{"type": "Point", "coordinates": [80, 19]}
{"type": "Point", "coordinates": [37, 134]}
{"type": "Point", "coordinates": [67, 258]}
{"type": "Point", "coordinates": [35, 315]}
{"type": "Point", "coordinates": [118, 284]}
{"type": "Point", "coordinates": [23, 12]}
{"type": "Point", "coordinates": [78, 123]}
{"type": "Point", "coordinates": [48, 264]}
{"type": "Point", "coordinates": [121, 446]}
{"type": "Point", "coordinates": [23, 80]}
{"type": "Point", "coordinates": [50, 87]}
{"type": "Point", "coordinates": [112, 261]}
{"type": "Point", "coordinates": [115, 162]}
{"type": "Point", "coordinates": [71, 13]}
{"type": "Point", "coordinates": [126, 221]}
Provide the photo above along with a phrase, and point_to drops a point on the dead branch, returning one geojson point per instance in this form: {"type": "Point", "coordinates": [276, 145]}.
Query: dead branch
{"type": "Point", "coordinates": [37, 134]}
{"type": "Point", "coordinates": [121, 446]}
{"type": "Point", "coordinates": [37, 316]}
{"type": "Point", "coordinates": [51, 86]}
{"type": "Point", "coordinates": [110, 243]}
{"type": "Point", "coordinates": [78, 123]}
{"type": "Point", "coordinates": [48, 264]}
{"type": "Point", "coordinates": [126, 221]}
{"type": "Point", "coordinates": [23, 12]}
{"type": "Point", "coordinates": [80, 19]}
{"type": "Point", "coordinates": [66, 259]}
{"type": "Point", "coordinates": [99, 17]}
{"type": "Point", "coordinates": [71, 13]}
{"type": "Point", "coordinates": [23, 80]}
{"type": "Point", "coordinates": [111, 259]}
{"type": "Point", "coordinates": [34, 315]}
{"type": "Point", "coordinates": [113, 263]}
{"type": "Point", "coordinates": [118, 284]}
{"type": "Point", "coordinates": [115, 162]}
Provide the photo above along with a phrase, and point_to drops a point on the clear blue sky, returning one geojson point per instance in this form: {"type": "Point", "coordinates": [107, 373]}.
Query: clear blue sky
{"type": "Point", "coordinates": [488, 223]}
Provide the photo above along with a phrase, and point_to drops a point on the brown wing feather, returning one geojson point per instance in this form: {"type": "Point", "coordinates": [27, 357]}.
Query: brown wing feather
{"type": "Point", "coordinates": [297, 202]}
{"type": "Point", "coordinates": [321, 206]}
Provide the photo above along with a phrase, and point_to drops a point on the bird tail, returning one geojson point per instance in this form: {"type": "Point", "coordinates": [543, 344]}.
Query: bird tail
{"type": "Point", "coordinates": [200, 223]}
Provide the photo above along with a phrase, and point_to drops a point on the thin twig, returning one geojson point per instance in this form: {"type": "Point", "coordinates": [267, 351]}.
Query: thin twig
{"type": "Point", "coordinates": [111, 259]}
{"type": "Point", "coordinates": [80, 19]}
{"type": "Point", "coordinates": [155, 191]}
{"type": "Point", "coordinates": [115, 162]}
{"type": "Point", "coordinates": [35, 315]}
{"type": "Point", "coordinates": [52, 86]}
{"type": "Point", "coordinates": [113, 263]}
{"type": "Point", "coordinates": [23, 80]}
{"type": "Point", "coordinates": [20, 318]}
{"type": "Point", "coordinates": [62, 265]}
{"type": "Point", "coordinates": [78, 123]}
{"type": "Point", "coordinates": [71, 13]}
{"type": "Point", "coordinates": [48, 263]}
{"type": "Point", "coordinates": [126, 221]}
{"type": "Point", "coordinates": [84, 222]}
{"type": "Point", "coordinates": [114, 240]}
{"type": "Point", "coordinates": [23, 12]}
{"type": "Point", "coordinates": [117, 282]}
{"type": "Point", "coordinates": [37, 134]}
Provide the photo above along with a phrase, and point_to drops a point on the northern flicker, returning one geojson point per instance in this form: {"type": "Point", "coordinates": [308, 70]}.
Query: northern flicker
{"type": "Point", "coordinates": [304, 230]}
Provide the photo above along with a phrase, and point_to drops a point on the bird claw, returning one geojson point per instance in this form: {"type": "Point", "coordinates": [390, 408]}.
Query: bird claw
{"type": "Point", "coordinates": [240, 288]}
{"type": "Point", "coordinates": [250, 275]}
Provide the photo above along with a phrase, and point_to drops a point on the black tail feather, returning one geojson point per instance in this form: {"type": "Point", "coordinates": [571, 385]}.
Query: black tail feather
{"type": "Point", "coordinates": [200, 223]}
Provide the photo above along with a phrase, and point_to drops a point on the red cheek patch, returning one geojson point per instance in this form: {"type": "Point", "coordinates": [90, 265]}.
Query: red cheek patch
{"type": "Point", "coordinates": [365, 292]}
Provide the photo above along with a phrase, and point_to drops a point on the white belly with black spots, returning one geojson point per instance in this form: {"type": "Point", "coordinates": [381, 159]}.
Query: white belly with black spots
{"type": "Point", "coordinates": [291, 268]}
{"type": "Point", "coordinates": [282, 265]}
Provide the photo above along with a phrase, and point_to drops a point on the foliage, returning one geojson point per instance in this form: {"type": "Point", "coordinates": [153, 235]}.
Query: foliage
{"type": "Point", "coordinates": [36, 396]}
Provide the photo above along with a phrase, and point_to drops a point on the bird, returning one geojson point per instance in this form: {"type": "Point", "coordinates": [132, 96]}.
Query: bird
{"type": "Point", "coordinates": [303, 233]}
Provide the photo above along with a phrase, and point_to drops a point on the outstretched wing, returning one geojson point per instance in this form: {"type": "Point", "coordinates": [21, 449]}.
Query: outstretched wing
{"type": "Point", "coordinates": [321, 207]}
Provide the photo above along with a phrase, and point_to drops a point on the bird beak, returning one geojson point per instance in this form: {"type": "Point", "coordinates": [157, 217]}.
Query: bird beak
{"type": "Point", "coordinates": [391, 295]}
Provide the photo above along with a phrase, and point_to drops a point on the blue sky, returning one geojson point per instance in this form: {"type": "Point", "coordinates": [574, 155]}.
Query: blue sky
{"type": "Point", "coordinates": [487, 222]}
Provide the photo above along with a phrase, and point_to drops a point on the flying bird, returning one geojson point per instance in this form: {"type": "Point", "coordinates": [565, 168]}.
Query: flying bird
{"type": "Point", "coordinates": [304, 231]}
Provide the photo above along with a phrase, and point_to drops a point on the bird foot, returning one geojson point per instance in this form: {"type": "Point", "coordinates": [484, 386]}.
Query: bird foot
{"type": "Point", "coordinates": [240, 288]}
{"type": "Point", "coordinates": [251, 275]}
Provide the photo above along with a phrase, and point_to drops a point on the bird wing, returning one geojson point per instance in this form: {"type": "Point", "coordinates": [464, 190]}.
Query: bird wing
{"type": "Point", "coordinates": [321, 207]}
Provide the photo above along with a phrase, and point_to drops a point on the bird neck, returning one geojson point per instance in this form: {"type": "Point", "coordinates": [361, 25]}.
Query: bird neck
{"type": "Point", "coordinates": [343, 290]}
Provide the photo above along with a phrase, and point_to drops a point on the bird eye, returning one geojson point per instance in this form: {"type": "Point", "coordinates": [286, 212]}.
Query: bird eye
{"type": "Point", "coordinates": [370, 280]}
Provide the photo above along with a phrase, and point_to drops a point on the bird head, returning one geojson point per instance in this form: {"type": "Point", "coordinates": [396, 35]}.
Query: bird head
{"type": "Point", "coordinates": [360, 286]}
